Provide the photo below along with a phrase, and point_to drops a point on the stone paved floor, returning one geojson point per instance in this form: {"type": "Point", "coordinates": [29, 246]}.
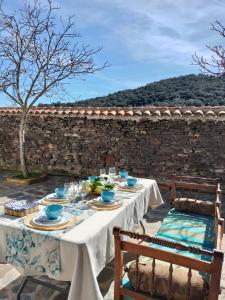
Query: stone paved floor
{"type": "Point", "coordinates": [10, 278]}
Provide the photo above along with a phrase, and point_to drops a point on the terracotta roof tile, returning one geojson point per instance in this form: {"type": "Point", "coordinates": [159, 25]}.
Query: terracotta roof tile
{"type": "Point", "coordinates": [97, 112]}
{"type": "Point", "coordinates": [138, 113]}
{"type": "Point", "coordinates": [146, 112]}
{"type": "Point", "coordinates": [60, 111]}
{"type": "Point", "coordinates": [210, 113]}
{"type": "Point", "coordinates": [81, 111]}
{"type": "Point", "coordinates": [105, 112]}
{"type": "Point", "coordinates": [126, 112]}
{"type": "Point", "coordinates": [121, 112]}
{"type": "Point", "coordinates": [221, 113]}
{"type": "Point", "coordinates": [130, 113]}
{"type": "Point", "coordinates": [188, 112]}
{"type": "Point", "coordinates": [67, 112]}
{"type": "Point", "coordinates": [112, 112]}
{"type": "Point", "coordinates": [166, 112]}
{"type": "Point", "coordinates": [89, 112]}
{"type": "Point", "coordinates": [157, 112]}
{"type": "Point", "coordinates": [177, 112]}
{"type": "Point", "coordinates": [199, 112]}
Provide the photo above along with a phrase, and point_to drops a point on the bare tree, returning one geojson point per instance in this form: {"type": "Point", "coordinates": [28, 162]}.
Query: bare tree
{"type": "Point", "coordinates": [215, 65]}
{"type": "Point", "coordinates": [38, 52]}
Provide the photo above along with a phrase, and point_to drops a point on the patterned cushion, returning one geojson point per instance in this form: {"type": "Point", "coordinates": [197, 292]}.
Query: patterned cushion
{"type": "Point", "coordinates": [188, 229]}
{"type": "Point", "coordinates": [194, 206]}
{"type": "Point", "coordinates": [199, 287]}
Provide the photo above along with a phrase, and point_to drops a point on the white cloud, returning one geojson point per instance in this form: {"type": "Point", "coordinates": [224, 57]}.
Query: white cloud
{"type": "Point", "coordinates": [169, 30]}
{"type": "Point", "coordinates": [148, 30]}
{"type": "Point", "coordinates": [143, 40]}
{"type": "Point", "coordinates": [151, 29]}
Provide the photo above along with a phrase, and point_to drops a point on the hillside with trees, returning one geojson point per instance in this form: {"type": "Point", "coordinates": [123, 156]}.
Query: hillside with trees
{"type": "Point", "coordinates": [188, 90]}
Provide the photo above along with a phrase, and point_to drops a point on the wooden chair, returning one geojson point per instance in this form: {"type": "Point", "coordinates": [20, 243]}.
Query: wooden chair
{"type": "Point", "coordinates": [197, 184]}
{"type": "Point", "coordinates": [212, 267]}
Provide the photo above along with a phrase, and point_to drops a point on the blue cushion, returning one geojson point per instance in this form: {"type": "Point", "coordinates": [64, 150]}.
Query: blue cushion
{"type": "Point", "coordinates": [188, 229]}
{"type": "Point", "coordinates": [126, 284]}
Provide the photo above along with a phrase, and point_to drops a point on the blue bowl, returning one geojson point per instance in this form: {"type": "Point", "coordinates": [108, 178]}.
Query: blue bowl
{"type": "Point", "coordinates": [92, 177]}
{"type": "Point", "coordinates": [131, 181]}
{"type": "Point", "coordinates": [53, 211]}
{"type": "Point", "coordinates": [123, 174]}
{"type": "Point", "coordinates": [59, 192]}
{"type": "Point", "coordinates": [108, 196]}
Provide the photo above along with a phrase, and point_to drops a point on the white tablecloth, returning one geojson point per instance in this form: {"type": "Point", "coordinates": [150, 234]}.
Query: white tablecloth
{"type": "Point", "coordinates": [89, 246]}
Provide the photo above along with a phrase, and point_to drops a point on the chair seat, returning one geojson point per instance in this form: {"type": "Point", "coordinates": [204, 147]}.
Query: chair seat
{"type": "Point", "coordinates": [143, 282]}
{"type": "Point", "coordinates": [188, 229]}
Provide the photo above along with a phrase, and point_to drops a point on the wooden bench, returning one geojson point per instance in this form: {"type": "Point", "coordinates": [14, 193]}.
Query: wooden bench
{"type": "Point", "coordinates": [206, 260]}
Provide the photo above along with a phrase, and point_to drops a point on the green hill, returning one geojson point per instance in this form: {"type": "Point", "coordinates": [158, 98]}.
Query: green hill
{"type": "Point", "coordinates": [189, 90]}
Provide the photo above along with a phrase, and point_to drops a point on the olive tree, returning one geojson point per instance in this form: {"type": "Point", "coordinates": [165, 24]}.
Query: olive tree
{"type": "Point", "coordinates": [38, 53]}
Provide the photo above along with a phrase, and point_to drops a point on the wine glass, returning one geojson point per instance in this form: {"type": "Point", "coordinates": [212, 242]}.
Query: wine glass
{"type": "Point", "coordinates": [112, 172]}
{"type": "Point", "coordinates": [83, 189]}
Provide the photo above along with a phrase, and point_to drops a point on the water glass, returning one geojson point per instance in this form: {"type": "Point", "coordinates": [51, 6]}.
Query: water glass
{"type": "Point", "coordinates": [68, 192]}
{"type": "Point", "coordinates": [112, 172]}
{"type": "Point", "coordinates": [74, 187]}
{"type": "Point", "coordinates": [102, 172]}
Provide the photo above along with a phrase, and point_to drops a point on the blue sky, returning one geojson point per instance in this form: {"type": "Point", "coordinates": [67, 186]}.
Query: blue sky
{"type": "Point", "coordinates": [143, 40]}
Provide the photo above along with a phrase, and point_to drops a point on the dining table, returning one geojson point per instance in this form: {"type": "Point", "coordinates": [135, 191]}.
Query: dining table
{"type": "Point", "coordinates": [79, 253]}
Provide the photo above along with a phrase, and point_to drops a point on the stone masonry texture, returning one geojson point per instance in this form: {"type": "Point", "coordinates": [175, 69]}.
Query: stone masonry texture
{"type": "Point", "coordinates": [145, 146]}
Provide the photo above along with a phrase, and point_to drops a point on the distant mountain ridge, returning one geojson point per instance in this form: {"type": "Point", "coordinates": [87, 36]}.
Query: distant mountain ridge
{"type": "Point", "coordinates": [188, 90]}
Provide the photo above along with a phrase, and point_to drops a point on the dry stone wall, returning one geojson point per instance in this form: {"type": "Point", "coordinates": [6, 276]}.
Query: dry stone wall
{"type": "Point", "coordinates": [145, 146]}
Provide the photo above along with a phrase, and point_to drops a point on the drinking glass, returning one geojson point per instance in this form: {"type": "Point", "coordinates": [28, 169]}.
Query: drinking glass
{"type": "Point", "coordinates": [112, 172]}
{"type": "Point", "coordinates": [102, 172]}
{"type": "Point", "coordinates": [74, 187]}
{"type": "Point", "coordinates": [83, 189]}
{"type": "Point", "coordinates": [68, 192]}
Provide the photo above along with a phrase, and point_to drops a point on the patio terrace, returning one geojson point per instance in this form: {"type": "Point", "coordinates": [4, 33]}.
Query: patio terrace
{"type": "Point", "coordinates": [10, 278]}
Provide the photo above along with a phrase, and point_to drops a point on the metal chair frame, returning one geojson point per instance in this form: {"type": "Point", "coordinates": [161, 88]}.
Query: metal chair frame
{"type": "Point", "coordinates": [25, 280]}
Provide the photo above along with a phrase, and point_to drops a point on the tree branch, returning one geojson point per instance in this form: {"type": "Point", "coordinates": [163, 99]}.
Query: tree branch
{"type": "Point", "coordinates": [216, 64]}
{"type": "Point", "coordinates": [36, 57]}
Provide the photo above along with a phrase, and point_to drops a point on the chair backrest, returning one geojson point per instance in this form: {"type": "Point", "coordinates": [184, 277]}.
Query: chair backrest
{"type": "Point", "coordinates": [208, 185]}
{"type": "Point", "coordinates": [214, 267]}
{"type": "Point", "coordinates": [200, 184]}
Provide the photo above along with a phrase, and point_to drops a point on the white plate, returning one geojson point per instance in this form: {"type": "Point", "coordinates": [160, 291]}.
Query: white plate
{"type": "Point", "coordinates": [54, 197]}
{"type": "Point", "coordinates": [101, 202]}
{"type": "Point", "coordinates": [125, 185]}
{"type": "Point", "coordinates": [41, 219]}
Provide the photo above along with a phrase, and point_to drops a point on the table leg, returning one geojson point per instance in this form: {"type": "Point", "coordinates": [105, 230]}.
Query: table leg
{"type": "Point", "coordinates": [143, 227]}
{"type": "Point", "coordinates": [50, 285]}
{"type": "Point", "coordinates": [22, 285]}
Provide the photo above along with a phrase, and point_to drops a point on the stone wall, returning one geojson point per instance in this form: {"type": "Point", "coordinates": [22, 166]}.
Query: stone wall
{"type": "Point", "coordinates": [152, 146]}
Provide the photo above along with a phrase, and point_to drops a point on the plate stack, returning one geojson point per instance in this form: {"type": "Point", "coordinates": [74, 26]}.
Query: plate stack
{"type": "Point", "coordinates": [99, 204]}
{"type": "Point", "coordinates": [128, 188]}
{"type": "Point", "coordinates": [41, 222]}
{"type": "Point", "coordinates": [53, 199]}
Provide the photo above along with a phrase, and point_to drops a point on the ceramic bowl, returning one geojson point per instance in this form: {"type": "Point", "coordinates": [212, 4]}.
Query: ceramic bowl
{"type": "Point", "coordinates": [123, 174]}
{"type": "Point", "coordinates": [59, 192]}
{"type": "Point", "coordinates": [108, 196]}
{"type": "Point", "coordinates": [131, 181]}
{"type": "Point", "coordinates": [53, 211]}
